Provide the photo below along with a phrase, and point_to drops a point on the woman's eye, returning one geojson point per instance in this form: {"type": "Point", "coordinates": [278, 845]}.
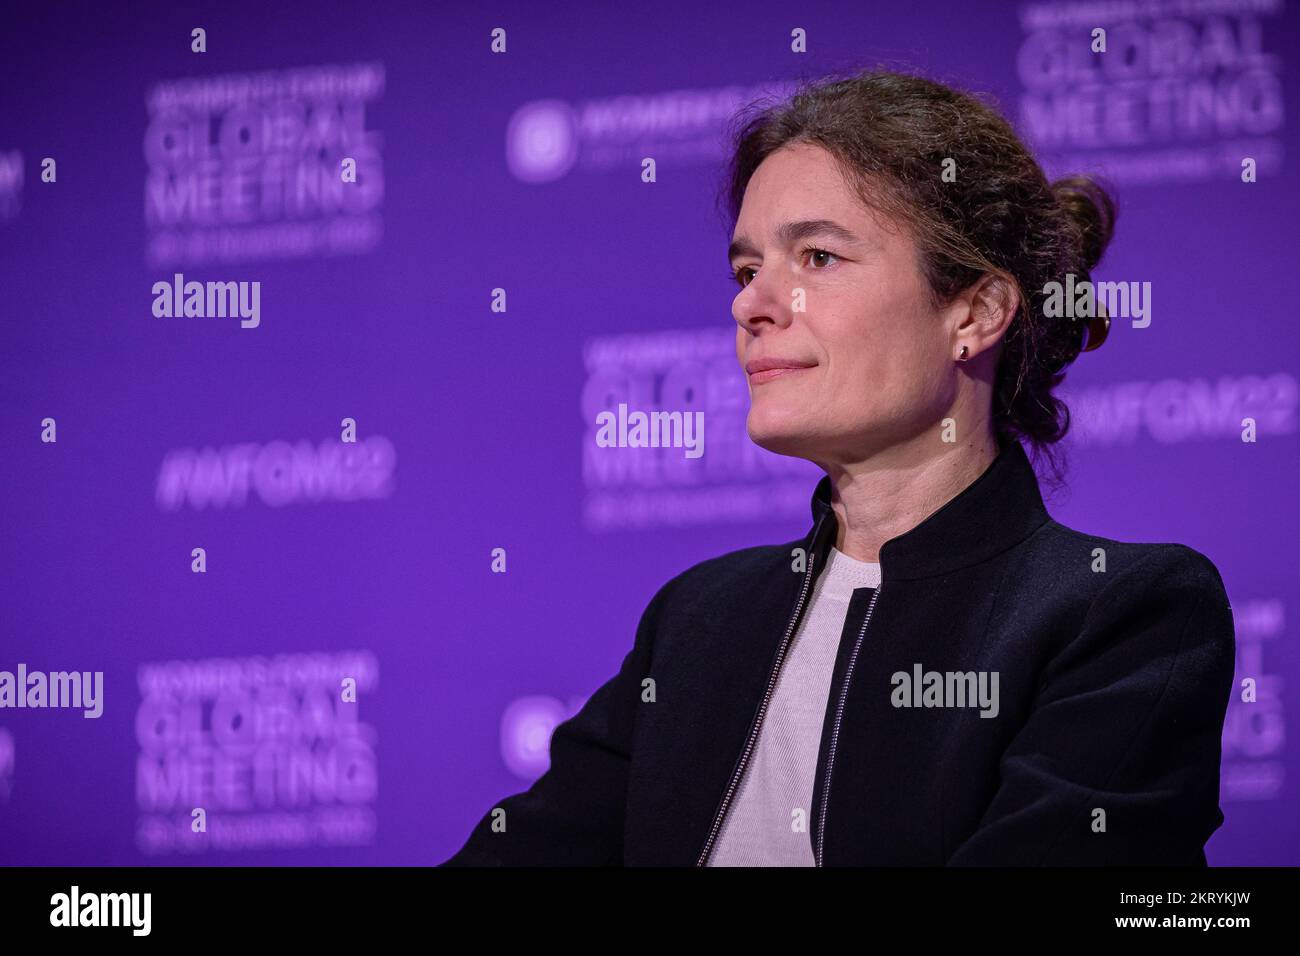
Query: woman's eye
{"type": "Point", "coordinates": [820, 252]}
{"type": "Point", "coordinates": [741, 278]}
{"type": "Point", "coordinates": [745, 274]}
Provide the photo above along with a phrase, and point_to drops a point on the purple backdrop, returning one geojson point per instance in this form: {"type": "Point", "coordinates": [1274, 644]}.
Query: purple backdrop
{"type": "Point", "coordinates": [332, 564]}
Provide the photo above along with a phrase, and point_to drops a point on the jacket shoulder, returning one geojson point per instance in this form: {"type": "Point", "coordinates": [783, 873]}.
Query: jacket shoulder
{"type": "Point", "coordinates": [1170, 564]}
{"type": "Point", "coordinates": [733, 573]}
{"type": "Point", "coordinates": [744, 562]}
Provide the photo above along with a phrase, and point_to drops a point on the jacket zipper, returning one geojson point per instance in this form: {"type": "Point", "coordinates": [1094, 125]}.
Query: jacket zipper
{"type": "Point", "coordinates": [758, 717]}
{"type": "Point", "coordinates": [835, 727]}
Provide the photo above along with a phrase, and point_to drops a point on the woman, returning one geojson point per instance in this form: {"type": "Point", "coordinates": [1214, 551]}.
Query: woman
{"type": "Point", "coordinates": [938, 672]}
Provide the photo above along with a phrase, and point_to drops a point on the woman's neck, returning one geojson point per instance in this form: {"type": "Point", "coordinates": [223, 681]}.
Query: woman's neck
{"type": "Point", "coordinates": [894, 490]}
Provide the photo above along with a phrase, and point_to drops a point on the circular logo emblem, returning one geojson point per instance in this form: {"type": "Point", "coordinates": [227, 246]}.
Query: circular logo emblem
{"type": "Point", "coordinates": [541, 141]}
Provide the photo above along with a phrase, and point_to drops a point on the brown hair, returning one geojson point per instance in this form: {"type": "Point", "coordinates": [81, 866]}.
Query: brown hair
{"type": "Point", "coordinates": [891, 133]}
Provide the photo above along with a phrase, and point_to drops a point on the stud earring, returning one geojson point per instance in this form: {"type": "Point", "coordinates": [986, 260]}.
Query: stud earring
{"type": "Point", "coordinates": [962, 357]}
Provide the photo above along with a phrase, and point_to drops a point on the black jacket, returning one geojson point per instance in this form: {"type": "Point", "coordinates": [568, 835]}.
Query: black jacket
{"type": "Point", "coordinates": [1113, 687]}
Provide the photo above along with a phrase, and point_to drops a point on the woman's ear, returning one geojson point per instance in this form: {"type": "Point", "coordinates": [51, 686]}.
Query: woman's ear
{"type": "Point", "coordinates": [991, 304]}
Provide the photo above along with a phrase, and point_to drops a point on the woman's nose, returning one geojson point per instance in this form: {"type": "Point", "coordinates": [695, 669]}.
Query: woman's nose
{"type": "Point", "coordinates": [765, 300]}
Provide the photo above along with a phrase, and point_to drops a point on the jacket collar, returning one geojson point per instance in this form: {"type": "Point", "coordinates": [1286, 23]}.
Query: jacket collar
{"type": "Point", "coordinates": [1001, 508]}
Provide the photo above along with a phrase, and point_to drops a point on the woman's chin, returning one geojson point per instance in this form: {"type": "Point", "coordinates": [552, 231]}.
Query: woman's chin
{"type": "Point", "coordinates": [778, 437]}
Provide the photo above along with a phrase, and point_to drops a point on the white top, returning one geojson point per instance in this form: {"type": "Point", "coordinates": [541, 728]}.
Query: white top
{"type": "Point", "coordinates": [770, 817]}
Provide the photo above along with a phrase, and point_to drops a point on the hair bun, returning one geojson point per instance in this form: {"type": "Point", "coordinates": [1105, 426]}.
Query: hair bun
{"type": "Point", "coordinates": [1096, 331]}
{"type": "Point", "coordinates": [1091, 211]}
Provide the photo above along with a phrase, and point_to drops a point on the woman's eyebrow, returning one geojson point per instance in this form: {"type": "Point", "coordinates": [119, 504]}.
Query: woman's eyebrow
{"type": "Point", "coordinates": [791, 232]}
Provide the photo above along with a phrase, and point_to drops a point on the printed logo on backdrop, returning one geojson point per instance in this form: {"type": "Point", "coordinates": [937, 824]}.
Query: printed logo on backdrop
{"type": "Point", "coordinates": [11, 184]}
{"type": "Point", "coordinates": [276, 473]}
{"type": "Point", "coordinates": [1254, 731]}
{"type": "Point", "coordinates": [256, 752]}
{"type": "Point", "coordinates": [672, 389]}
{"type": "Point", "coordinates": [8, 751]}
{"type": "Point", "coordinates": [1172, 410]}
{"type": "Point", "coordinates": [545, 139]}
{"type": "Point", "coordinates": [256, 166]}
{"type": "Point", "coordinates": [526, 728]}
{"type": "Point", "coordinates": [1184, 90]}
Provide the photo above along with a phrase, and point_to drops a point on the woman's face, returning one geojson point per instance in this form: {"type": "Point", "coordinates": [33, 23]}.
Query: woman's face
{"type": "Point", "coordinates": [869, 359]}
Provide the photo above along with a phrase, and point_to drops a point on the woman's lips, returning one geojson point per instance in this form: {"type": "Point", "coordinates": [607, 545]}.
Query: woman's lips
{"type": "Point", "coordinates": [768, 374]}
